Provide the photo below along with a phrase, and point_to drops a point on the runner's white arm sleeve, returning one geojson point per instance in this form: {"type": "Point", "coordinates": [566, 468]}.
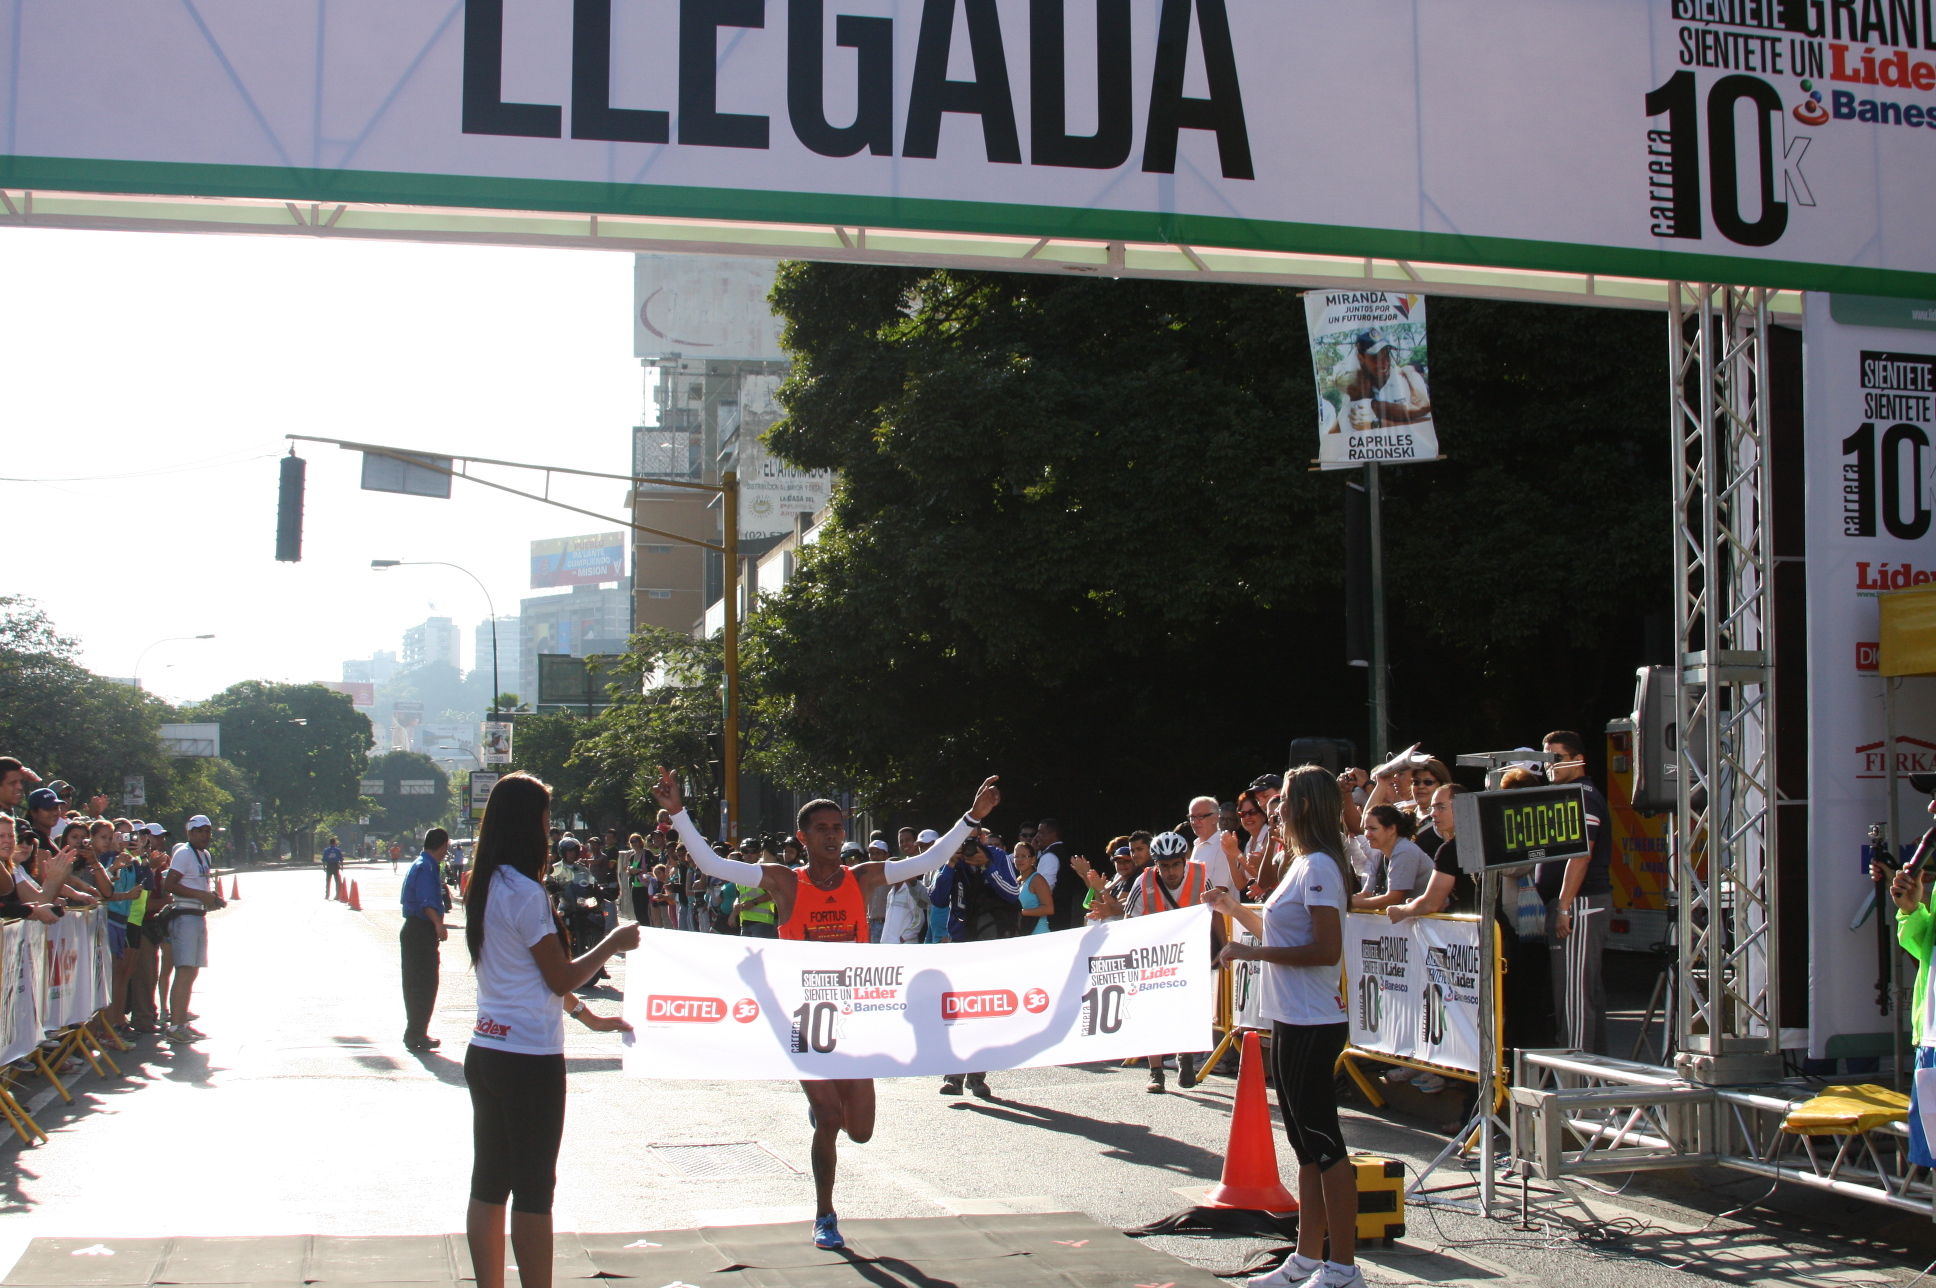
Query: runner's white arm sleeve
{"type": "Point", "coordinates": [929, 859]}
{"type": "Point", "coordinates": [737, 871]}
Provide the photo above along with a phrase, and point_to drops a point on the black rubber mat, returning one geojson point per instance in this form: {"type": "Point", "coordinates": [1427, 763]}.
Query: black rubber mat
{"type": "Point", "coordinates": [84, 1263]}
{"type": "Point", "coordinates": [1057, 1250]}
{"type": "Point", "coordinates": [569, 1260]}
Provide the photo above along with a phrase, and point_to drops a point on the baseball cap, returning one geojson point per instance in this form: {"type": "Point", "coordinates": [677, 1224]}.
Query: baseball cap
{"type": "Point", "coordinates": [568, 843]}
{"type": "Point", "coordinates": [43, 798]}
{"type": "Point", "coordinates": [852, 847]}
{"type": "Point", "coordinates": [200, 820]}
{"type": "Point", "coordinates": [1925, 783]}
{"type": "Point", "coordinates": [877, 844]}
{"type": "Point", "coordinates": [1120, 852]}
{"type": "Point", "coordinates": [1373, 341]}
{"type": "Point", "coordinates": [155, 829]}
{"type": "Point", "coordinates": [928, 836]}
{"type": "Point", "coordinates": [1267, 783]}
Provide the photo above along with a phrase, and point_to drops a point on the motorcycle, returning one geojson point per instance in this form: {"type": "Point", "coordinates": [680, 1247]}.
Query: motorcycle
{"type": "Point", "coordinates": [579, 901]}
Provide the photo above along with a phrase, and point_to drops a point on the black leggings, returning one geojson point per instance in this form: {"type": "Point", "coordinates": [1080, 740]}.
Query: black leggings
{"type": "Point", "coordinates": [1304, 1059]}
{"type": "Point", "coordinates": [517, 1120]}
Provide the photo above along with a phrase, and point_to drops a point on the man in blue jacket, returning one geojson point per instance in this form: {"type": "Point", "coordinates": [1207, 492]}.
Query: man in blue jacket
{"type": "Point", "coordinates": [423, 929]}
{"type": "Point", "coordinates": [983, 900]}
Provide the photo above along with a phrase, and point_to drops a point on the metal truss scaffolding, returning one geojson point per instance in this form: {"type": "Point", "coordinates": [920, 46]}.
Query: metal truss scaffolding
{"type": "Point", "coordinates": [1727, 1004]}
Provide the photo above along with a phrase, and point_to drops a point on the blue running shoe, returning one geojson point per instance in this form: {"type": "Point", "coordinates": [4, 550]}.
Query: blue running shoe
{"type": "Point", "coordinates": [826, 1232]}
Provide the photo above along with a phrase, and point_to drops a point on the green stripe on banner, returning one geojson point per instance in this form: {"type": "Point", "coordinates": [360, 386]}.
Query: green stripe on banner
{"type": "Point", "coordinates": [479, 192]}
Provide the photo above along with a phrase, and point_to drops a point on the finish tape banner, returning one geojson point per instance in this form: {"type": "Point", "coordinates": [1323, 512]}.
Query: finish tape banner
{"type": "Point", "coordinates": [51, 977]}
{"type": "Point", "coordinates": [721, 1007]}
{"type": "Point", "coordinates": [1781, 143]}
{"type": "Point", "coordinates": [1413, 988]}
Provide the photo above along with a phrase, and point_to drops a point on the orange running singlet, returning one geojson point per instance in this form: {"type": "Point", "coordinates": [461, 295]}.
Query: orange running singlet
{"type": "Point", "coordinates": [838, 915]}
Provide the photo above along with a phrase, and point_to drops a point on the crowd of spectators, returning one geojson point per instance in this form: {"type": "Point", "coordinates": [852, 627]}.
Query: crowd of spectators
{"type": "Point", "coordinates": [59, 855]}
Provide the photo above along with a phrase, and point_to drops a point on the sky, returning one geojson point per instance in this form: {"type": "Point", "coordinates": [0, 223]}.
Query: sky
{"type": "Point", "coordinates": [150, 379]}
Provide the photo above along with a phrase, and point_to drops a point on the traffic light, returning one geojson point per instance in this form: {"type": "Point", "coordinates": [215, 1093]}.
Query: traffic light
{"type": "Point", "coordinates": [289, 510]}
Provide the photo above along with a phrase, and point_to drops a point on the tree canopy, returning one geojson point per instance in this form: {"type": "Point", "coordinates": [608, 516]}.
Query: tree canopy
{"type": "Point", "coordinates": [304, 747]}
{"type": "Point", "coordinates": [1077, 540]}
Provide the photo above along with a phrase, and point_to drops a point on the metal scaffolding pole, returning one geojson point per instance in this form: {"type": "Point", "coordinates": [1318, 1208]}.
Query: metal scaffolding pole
{"type": "Point", "coordinates": [1728, 1006]}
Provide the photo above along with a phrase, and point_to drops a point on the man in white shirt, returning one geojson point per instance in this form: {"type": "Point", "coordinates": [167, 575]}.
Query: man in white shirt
{"type": "Point", "coordinates": [1210, 849]}
{"type": "Point", "coordinates": [188, 881]}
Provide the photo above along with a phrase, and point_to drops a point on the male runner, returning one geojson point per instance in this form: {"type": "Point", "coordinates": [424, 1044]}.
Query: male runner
{"type": "Point", "coordinates": [824, 901]}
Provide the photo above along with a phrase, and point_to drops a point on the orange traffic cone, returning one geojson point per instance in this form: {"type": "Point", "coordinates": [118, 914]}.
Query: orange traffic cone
{"type": "Point", "coordinates": [356, 905]}
{"type": "Point", "coordinates": [235, 889]}
{"type": "Point", "coordinates": [1250, 1178]}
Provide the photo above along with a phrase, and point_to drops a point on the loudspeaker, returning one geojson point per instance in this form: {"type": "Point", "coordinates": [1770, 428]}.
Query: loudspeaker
{"type": "Point", "coordinates": [1335, 754]}
{"type": "Point", "coordinates": [1656, 766]}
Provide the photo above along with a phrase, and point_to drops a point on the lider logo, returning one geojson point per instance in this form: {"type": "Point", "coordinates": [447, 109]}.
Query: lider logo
{"type": "Point", "coordinates": [661, 1009]}
{"type": "Point", "coordinates": [982, 1004]}
{"type": "Point", "coordinates": [490, 1028]}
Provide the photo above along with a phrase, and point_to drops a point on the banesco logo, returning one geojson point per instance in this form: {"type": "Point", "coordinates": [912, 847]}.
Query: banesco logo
{"type": "Point", "coordinates": [982, 1004]}
{"type": "Point", "coordinates": [660, 1009]}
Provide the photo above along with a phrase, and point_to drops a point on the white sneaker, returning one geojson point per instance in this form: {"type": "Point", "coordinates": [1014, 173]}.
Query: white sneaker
{"type": "Point", "coordinates": [1294, 1271]}
{"type": "Point", "coordinates": [1429, 1083]}
{"type": "Point", "coordinates": [1330, 1275]}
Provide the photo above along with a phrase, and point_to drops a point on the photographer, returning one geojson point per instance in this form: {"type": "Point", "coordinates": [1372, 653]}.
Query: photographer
{"type": "Point", "coordinates": [983, 900]}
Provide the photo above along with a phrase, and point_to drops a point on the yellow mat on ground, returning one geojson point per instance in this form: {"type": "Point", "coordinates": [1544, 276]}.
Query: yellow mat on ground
{"type": "Point", "coordinates": [1844, 1111]}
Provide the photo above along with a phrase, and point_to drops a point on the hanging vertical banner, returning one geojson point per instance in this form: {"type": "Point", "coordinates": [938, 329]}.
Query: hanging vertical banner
{"type": "Point", "coordinates": [1871, 474]}
{"type": "Point", "coordinates": [20, 1029]}
{"type": "Point", "coordinates": [1413, 987]}
{"type": "Point", "coordinates": [1369, 358]}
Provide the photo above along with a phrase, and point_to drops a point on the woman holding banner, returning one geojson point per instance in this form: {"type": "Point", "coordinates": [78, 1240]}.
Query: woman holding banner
{"type": "Point", "coordinates": [516, 1063]}
{"type": "Point", "coordinates": [1301, 934]}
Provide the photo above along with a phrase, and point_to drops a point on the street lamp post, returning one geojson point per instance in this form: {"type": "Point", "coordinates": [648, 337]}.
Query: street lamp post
{"type": "Point", "coordinates": [380, 564]}
{"type": "Point", "coordinates": [172, 639]}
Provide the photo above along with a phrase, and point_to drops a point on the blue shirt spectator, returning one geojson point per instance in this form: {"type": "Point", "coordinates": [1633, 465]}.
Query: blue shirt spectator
{"type": "Point", "coordinates": [966, 888]}
{"type": "Point", "coordinates": [423, 887]}
{"type": "Point", "coordinates": [332, 855]}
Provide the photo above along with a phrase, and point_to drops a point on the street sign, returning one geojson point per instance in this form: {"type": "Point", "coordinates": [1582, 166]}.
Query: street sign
{"type": "Point", "coordinates": [407, 474]}
{"type": "Point", "coordinates": [481, 784]}
{"type": "Point", "coordinates": [255, 811]}
{"type": "Point", "coordinates": [134, 791]}
{"type": "Point", "coordinates": [370, 787]}
{"type": "Point", "coordinates": [191, 739]}
{"type": "Point", "coordinates": [417, 787]}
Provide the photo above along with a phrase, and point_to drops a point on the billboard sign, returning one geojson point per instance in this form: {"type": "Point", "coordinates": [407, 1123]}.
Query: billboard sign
{"type": "Point", "coordinates": [691, 306]}
{"type": "Point", "coordinates": [134, 791]}
{"type": "Point", "coordinates": [1871, 470]}
{"type": "Point", "coordinates": [578, 561]}
{"type": "Point", "coordinates": [191, 739]}
{"type": "Point", "coordinates": [362, 693]}
{"type": "Point", "coordinates": [1757, 142]}
{"type": "Point", "coordinates": [1369, 358]}
{"type": "Point", "coordinates": [496, 749]}
{"type": "Point", "coordinates": [480, 791]}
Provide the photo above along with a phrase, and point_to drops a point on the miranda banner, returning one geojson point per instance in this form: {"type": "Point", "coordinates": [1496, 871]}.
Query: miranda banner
{"type": "Point", "coordinates": [726, 1008]}
{"type": "Point", "coordinates": [1783, 143]}
{"type": "Point", "coordinates": [1413, 988]}
{"type": "Point", "coordinates": [1369, 358]}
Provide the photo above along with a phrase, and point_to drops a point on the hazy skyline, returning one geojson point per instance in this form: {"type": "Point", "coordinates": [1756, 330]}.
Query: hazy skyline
{"type": "Point", "coordinates": [160, 372]}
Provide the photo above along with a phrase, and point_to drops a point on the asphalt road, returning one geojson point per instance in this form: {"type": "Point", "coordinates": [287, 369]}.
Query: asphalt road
{"type": "Point", "coordinates": [303, 1113]}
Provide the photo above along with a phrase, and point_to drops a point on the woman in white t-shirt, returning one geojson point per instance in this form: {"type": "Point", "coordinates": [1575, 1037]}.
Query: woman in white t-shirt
{"type": "Point", "coordinates": [516, 1062]}
{"type": "Point", "coordinates": [1302, 940]}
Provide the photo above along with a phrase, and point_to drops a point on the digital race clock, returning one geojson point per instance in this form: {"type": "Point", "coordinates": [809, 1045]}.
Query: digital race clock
{"type": "Point", "coordinates": [1528, 825]}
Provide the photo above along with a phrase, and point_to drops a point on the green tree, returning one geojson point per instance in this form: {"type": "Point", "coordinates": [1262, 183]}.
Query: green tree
{"type": "Point", "coordinates": [394, 814]}
{"type": "Point", "coordinates": [674, 722]}
{"type": "Point", "coordinates": [1077, 541]}
{"type": "Point", "coordinates": [66, 721]}
{"type": "Point", "coordinates": [304, 747]}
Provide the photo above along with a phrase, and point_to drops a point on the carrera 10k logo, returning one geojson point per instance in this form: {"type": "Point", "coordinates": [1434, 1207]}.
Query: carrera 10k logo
{"type": "Point", "coordinates": [831, 995]}
{"type": "Point", "coordinates": [662, 1009]}
{"type": "Point", "coordinates": [1117, 977]}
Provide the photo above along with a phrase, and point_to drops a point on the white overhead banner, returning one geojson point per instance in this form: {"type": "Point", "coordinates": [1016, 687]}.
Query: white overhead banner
{"type": "Point", "coordinates": [1413, 988]}
{"type": "Point", "coordinates": [1368, 357]}
{"type": "Point", "coordinates": [712, 1006]}
{"type": "Point", "coordinates": [1871, 472]}
{"type": "Point", "coordinates": [1774, 142]}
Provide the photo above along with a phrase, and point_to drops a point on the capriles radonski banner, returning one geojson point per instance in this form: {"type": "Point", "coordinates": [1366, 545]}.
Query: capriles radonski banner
{"type": "Point", "coordinates": [712, 1006]}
